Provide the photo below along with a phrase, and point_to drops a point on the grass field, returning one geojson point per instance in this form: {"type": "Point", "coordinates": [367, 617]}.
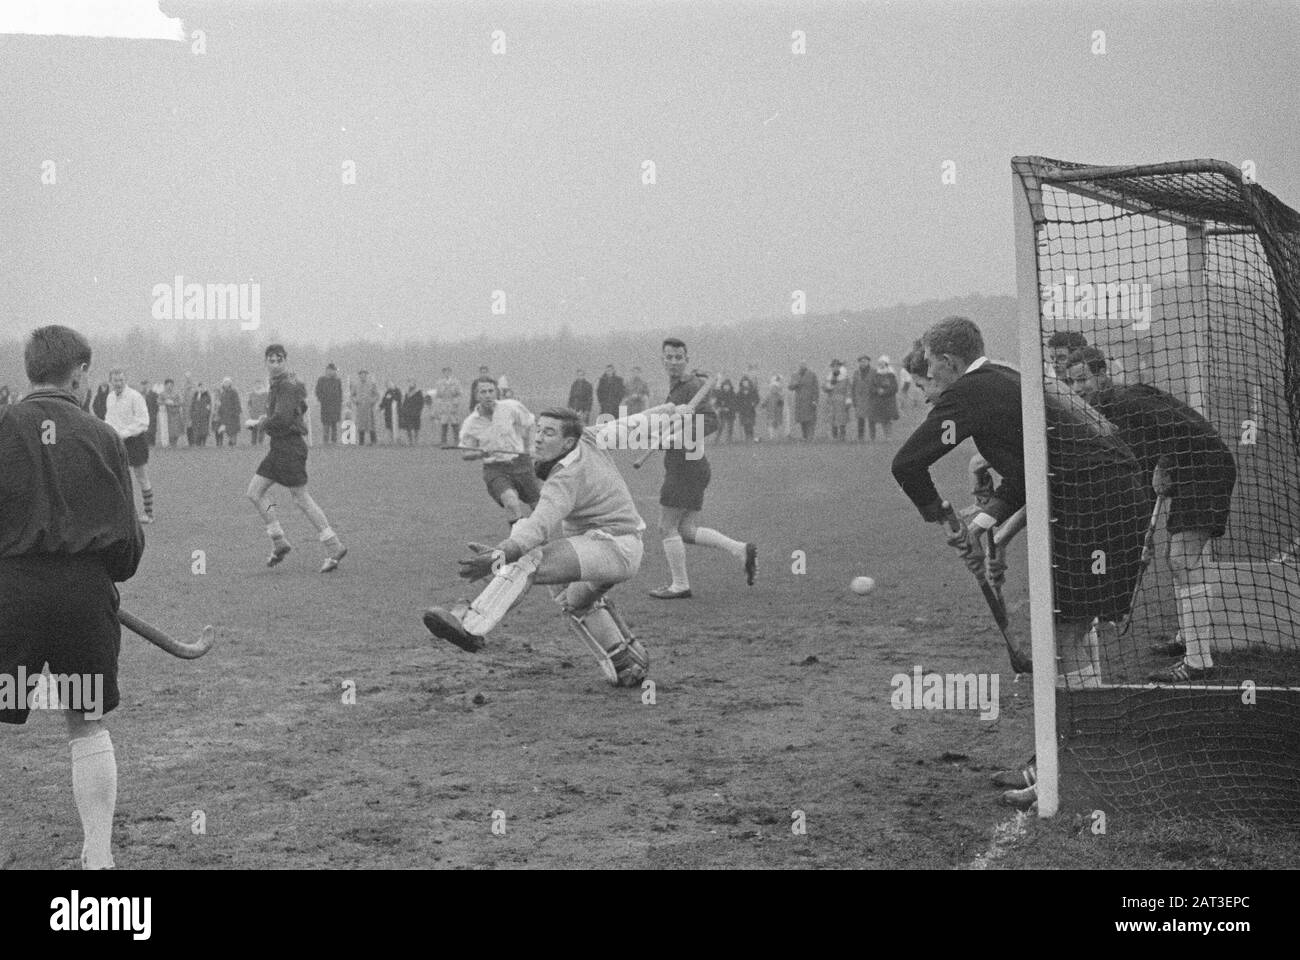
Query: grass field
{"type": "Point", "coordinates": [768, 700]}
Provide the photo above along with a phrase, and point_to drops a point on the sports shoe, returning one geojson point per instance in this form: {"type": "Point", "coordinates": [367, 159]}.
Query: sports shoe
{"type": "Point", "coordinates": [1169, 648]}
{"type": "Point", "coordinates": [751, 562]}
{"type": "Point", "coordinates": [666, 592]}
{"type": "Point", "coordinates": [447, 626]}
{"type": "Point", "coordinates": [1180, 672]}
{"type": "Point", "coordinates": [146, 518]}
{"type": "Point", "coordinates": [332, 562]}
{"type": "Point", "coordinates": [279, 550]}
{"type": "Point", "coordinates": [1021, 799]}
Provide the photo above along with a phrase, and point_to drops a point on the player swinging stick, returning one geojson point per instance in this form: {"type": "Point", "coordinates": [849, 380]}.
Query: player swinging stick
{"type": "Point", "coordinates": [585, 498]}
{"type": "Point", "coordinates": [681, 498]}
{"type": "Point", "coordinates": [286, 463]}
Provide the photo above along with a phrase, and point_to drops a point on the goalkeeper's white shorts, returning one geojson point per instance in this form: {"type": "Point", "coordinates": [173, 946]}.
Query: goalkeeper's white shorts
{"type": "Point", "coordinates": [604, 558]}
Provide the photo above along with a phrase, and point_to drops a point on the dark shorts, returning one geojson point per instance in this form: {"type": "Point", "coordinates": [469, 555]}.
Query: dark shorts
{"type": "Point", "coordinates": [684, 481]}
{"type": "Point", "coordinates": [516, 475]}
{"type": "Point", "coordinates": [137, 450]}
{"type": "Point", "coordinates": [60, 611]}
{"type": "Point", "coordinates": [286, 462]}
{"type": "Point", "coordinates": [1103, 509]}
{"type": "Point", "coordinates": [1202, 498]}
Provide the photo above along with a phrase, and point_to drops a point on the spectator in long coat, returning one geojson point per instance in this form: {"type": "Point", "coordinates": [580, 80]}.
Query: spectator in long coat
{"type": "Point", "coordinates": [99, 406]}
{"type": "Point", "coordinates": [860, 395]}
{"type": "Point", "coordinates": [580, 397]}
{"type": "Point", "coordinates": [151, 404]}
{"type": "Point", "coordinates": [329, 394]}
{"type": "Point", "coordinates": [883, 409]}
{"type": "Point", "coordinates": [257, 398]}
{"type": "Point", "coordinates": [638, 392]}
{"type": "Point", "coordinates": [724, 402]}
{"type": "Point", "coordinates": [392, 398]}
{"type": "Point", "coordinates": [365, 397]}
{"type": "Point", "coordinates": [610, 391]}
{"type": "Point", "coordinates": [446, 407]}
{"type": "Point", "coordinates": [172, 400]}
{"type": "Point", "coordinates": [410, 412]}
{"type": "Point", "coordinates": [200, 416]}
{"type": "Point", "coordinates": [806, 392]}
{"type": "Point", "coordinates": [230, 414]}
{"type": "Point", "coordinates": [774, 408]}
{"type": "Point", "coordinates": [747, 400]}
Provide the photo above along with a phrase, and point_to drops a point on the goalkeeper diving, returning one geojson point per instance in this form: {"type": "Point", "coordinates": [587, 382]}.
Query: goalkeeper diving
{"type": "Point", "coordinates": [583, 537]}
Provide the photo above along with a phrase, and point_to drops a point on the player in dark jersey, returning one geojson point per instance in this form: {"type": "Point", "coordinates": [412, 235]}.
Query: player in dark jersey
{"type": "Point", "coordinates": [681, 498]}
{"type": "Point", "coordinates": [286, 463]}
{"type": "Point", "coordinates": [1092, 477]}
{"type": "Point", "coordinates": [1183, 457]}
{"type": "Point", "coordinates": [68, 532]}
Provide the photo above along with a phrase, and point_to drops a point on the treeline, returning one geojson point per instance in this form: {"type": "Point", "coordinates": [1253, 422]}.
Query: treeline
{"type": "Point", "coordinates": [540, 369]}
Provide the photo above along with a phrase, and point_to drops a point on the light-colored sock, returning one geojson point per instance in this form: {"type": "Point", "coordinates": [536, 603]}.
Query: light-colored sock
{"type": "Point", "coordinates": [274, 530]}
{"type": "Point", "coordinates": [708, 537]}
{"type": "Point", "coordinates": [675, 554]}
{"type": "Point", "coordinates": [1194, 624]}
{"type": "Point", "coordinates": [94, 787]}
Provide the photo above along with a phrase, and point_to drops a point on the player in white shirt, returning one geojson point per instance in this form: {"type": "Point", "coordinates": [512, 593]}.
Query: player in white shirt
{"type": "Point", "coordinates": [500, 433]}
{"type": "Point", "coordinates": [127, 413]}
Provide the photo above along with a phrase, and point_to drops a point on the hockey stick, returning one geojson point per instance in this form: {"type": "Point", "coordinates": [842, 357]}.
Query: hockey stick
{"type": "Point", "coordinates": [694, 402]}
{"type": "Point", "coordinates": [1147, 542]}
{"type": "Point", "coordinates": [186, 651]}
{"type": "Point", "coordinates": [992, 597]}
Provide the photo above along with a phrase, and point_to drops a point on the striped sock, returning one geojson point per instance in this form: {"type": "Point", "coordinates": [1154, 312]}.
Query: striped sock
{"type": "Point", "coordinates": [147, 495]}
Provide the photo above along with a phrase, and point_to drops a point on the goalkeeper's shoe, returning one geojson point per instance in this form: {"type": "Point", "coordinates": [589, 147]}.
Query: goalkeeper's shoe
{"type": "Point", "coordinates": [631, 664]}
{"type": "Point", "coordinates": [279, 550]}
{"type": "Point", "coordinates": [446, 625]}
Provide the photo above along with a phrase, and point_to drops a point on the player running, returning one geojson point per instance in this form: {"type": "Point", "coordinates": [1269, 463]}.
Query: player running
{"type": "Point", "coordinates": [286, 463]}
{"type": "Point", "coordinates": [126, 412]}
{"type": "Point", "coordinates": [68, 532]}
{"type": "Point", "coordinates": [1188, 462]}
{"type": "Point", "coordinates": [499, 432]}
{"type": "Point", "coordinates": [681, 498]}
{"type": "Point", "coordinates": [583, 537]}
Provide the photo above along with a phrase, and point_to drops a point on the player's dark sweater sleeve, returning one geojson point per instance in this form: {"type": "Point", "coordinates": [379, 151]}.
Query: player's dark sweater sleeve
{"type": "Point", "coordinates": [946, 426]}
{"type": "Point", "coordinates": [122, 555]}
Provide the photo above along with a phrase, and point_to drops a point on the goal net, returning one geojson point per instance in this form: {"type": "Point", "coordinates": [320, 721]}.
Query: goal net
{"type": "Point", "coordinates": [1165, 298]}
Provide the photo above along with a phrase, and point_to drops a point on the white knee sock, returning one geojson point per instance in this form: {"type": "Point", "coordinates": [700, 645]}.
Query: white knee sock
{"type": "Point", "coordinates": [708, 537]}
{"type": "Point", "coordinates": [94, 787]}
{"type": "Point", "coordinates": [675, 553]}
{"type": "Point", "coordinates": [1194, 624]}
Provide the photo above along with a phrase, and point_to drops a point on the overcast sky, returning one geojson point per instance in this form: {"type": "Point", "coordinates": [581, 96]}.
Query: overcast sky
{"type": "Point", "coordinates": [522, 171]}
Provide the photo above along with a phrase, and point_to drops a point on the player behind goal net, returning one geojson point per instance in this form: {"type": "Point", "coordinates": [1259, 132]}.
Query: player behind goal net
{"type": "Point", "coordinates": [1160, 304]}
